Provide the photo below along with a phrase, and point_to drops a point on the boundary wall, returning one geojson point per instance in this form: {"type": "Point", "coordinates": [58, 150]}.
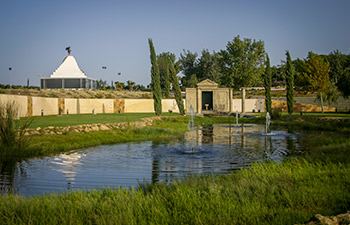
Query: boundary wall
{"type": "Point", "coordinates": [35, 106]}
{"type": "Point", "coordinates": [251, 105]}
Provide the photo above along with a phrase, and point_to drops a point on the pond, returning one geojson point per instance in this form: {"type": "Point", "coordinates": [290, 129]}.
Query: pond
{"type": "Point", "coordinates": [213, 149]}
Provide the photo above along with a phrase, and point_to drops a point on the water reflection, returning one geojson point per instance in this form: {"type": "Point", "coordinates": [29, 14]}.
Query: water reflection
{"type": "Point", "coordinates": [7, 172]}
{"type": "Point", "coordinates": [68, 165]}
{"type": "Point", "coordinates": [217, 149]}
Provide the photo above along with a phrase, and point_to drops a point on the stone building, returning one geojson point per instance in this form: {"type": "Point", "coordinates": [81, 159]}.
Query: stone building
{"type": "Point", "coordinates": [68, 76]}
{"type": "Point", "coordinates": [208, 98]}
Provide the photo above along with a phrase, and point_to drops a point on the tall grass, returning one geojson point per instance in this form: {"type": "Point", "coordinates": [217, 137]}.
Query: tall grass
{"type": "Point", "coordinates": [12, 132]}
{"type": "Point", "coordinates": [265, 194]}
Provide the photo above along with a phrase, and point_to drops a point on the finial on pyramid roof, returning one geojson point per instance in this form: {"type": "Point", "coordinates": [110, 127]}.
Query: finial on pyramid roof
{"type": "Point", "coordinates": [68, 50]}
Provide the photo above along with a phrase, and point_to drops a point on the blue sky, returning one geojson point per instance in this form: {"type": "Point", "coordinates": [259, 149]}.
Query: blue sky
{"type": "Point", "coordinates": [34, 34]}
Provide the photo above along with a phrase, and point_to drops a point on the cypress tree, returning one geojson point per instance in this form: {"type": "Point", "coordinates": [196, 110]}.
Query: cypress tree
{"type": "Point", "coordinates": [290, 83]}
{"type": "Point", "coordinates": [155, 83]}
{"type": "Point", "coordinates": [267, 85]}
{"type": "Point", "coordinates": [176, 87]}
{"type": "Point", "coordinates": [163, 65]}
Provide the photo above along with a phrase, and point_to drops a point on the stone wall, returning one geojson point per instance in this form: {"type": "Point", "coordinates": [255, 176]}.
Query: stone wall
{"type": "Point", "coordinates": [191, 99]}
{"type": "Point", "coordinates": [34, 106]}
{"type": "Point", "coordinates": [22, 103]}
{"type": "Point", "coordinates": [221, 100]}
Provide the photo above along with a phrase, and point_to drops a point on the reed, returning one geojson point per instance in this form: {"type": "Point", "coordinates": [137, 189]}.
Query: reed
{"type": "Point", "coordinates": [12, 131]}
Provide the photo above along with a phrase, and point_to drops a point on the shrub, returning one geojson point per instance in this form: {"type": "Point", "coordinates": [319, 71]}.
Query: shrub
{"type": "Point", "coordinates": [53, 95]}
{"type": "Point", "coordinates": [277, 112]}
{"type": "Point", "coordinates": [12, 133]}
{"type": "Point", "coordinates": [109, 95]}
{"type": "Point", "coordinates": [99, 95]}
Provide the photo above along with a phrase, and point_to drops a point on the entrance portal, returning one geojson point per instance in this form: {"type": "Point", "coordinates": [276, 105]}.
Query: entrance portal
{"type": "Point", "coordinates": [207, 100]}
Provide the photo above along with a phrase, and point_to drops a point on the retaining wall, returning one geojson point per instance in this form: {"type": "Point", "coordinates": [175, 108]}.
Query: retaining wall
{"type": "Point", "coordinates": [33, 106]}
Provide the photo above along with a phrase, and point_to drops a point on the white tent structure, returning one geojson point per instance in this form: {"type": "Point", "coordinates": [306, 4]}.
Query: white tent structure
{"type": "Point", "coordinates": [68, 76]}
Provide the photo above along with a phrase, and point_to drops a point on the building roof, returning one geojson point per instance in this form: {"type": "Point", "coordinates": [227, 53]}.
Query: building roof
{"type": "Point", "coordinates": [68, 69]}
{"type": "Point", "coordinates": [207, 84]}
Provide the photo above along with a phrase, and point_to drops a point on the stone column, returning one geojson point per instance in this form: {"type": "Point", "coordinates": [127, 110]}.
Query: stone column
{"type": "Point", "coordinates": [78, 106]}
{"type": "Point", "coordinates": [29, 106]}
{"type": "Point", "coordinates": [231, 100]}
{"type": "Point", "coordinates": [243, 100]}
{"type": "Point", "coordinates": [199, 101]}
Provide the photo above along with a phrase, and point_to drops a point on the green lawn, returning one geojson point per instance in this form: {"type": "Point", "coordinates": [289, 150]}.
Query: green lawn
{"type": "Point", "coordinates": [78, 119]}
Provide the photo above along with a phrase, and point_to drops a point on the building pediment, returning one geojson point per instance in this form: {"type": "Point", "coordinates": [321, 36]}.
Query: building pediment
{"type": "Point", "coordinates": [207, 84]}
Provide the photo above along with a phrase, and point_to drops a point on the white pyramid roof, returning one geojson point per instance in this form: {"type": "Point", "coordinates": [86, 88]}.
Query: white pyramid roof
{"type": "Point", "coordinates": [68, 69]}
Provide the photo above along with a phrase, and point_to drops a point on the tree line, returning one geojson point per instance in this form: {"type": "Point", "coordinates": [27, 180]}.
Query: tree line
{"type": "Point", "coordinates": [243, 64]}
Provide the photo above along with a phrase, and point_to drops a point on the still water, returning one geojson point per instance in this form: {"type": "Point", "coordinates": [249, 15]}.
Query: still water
{"type": "Point", "coordinates": [214, 149]}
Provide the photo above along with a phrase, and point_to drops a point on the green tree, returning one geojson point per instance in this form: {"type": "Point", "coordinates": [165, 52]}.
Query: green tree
{"type": "Point", "coordinates": [176, 87]}
{"type": "Point", "coordinates": [131, 85]}
{"type": "Point", "coordinates": [290, 83]}
{"type": "Point", "coordinates": [243, 63]}
{"type": "Point", "coordinates": [209, 66]}
{"type": "Point", "coordinates": [177, 64]}
{"type": "Point", "coordinates": [119, 85]}
{"type": "Point", "coordinates": [101, 85]}
{"type": "Point", "coordinates": [340, 71]}
{"type": "Point", "coordinates": [163, 63]}
{"type": "Point", "coordinates": [192, 82]}
{"type": "Point", "coordinates": [155, 83]}
{"type": "Point", "coordinates": [267, 85]}
{"type": "Point", "coordinates": [299, 79]}
{"type": "Point", "coordinates": [337, 63]}
{"type": "Point", "coordinates": [344, 83]}
{"type": "Point", "coordinates": [189, 64]}
{"type": "Point", "coordinates": [317, 76]}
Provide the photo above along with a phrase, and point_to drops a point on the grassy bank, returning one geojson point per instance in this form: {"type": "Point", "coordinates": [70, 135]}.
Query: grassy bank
{"type": "Point", "coordinates": [45, 145]}
{"type": "Point", "coordinates": [312, 121]}
{"type": "Point", "coordinates": [267, 193]}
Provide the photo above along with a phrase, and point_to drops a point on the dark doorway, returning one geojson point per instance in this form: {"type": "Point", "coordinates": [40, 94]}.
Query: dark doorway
{"type": "Point", "coordinates": [207, 100]}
